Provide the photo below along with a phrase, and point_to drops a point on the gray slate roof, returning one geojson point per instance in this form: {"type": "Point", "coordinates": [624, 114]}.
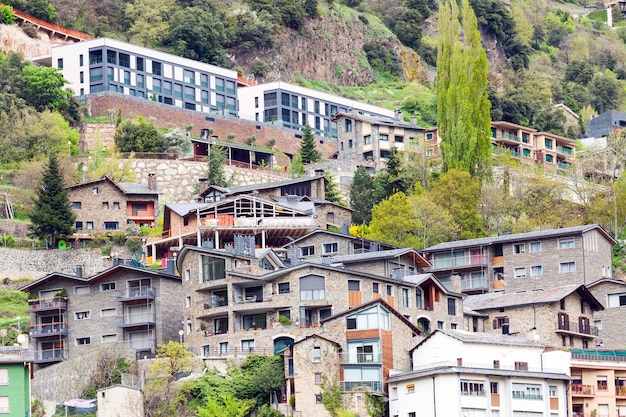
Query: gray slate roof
{"type": "Point", "coordinates": [489, 338]}
{"type": "Point", "coordinates": [366, 256]}
{"type": "Point", "coordinates": [503, 299]}
{"type": "Point", "coordinates": [518, 237]}
{"type": "Point", "coordinates": [137, 188]}
{"type": "Point", "coordinates": [380, 120]}
{"type": "Point", "coordinates": [183, 208]}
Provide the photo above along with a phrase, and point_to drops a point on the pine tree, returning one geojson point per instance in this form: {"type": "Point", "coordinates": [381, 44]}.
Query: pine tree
{"type": "Point", "coordinates": [52, 215]}
{"type": "Point", "coordinates": [216, 174]}
{"type": "Point", "coordinates": [308, 151]}
{"type": "Point", "coordinates": [462, 100]}
{"type": "Point", "coordinates": [362, 196]}
{"type": "Point", "coordinates": [331, 191]}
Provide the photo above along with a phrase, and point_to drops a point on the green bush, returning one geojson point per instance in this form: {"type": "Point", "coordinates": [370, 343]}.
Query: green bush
{"type": "Point", "coordinates": [7, 17]}
{"type": "Point", "coordinates": [134, 244]}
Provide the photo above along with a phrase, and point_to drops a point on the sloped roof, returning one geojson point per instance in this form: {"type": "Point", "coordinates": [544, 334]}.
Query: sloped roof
{"type": "Point", "coordinates": [496, 300]}
{"type": "Point", "coordinates": [342, 235]}
{"type": "Point", "coordinates": [486, 241]}
{"type": "Point", "coordinates": [379, 120]}
{"type": "Point", "coordinates": [373, 256]}
{"type": "Point", "coordinates": [244, 189]}
{"type": "Point", "coordinates": [483, 338]}
{"type": "Point", "coordinates": [124, 187]}
{"type": "Point", "coordinates": [184, 208]}
{"type": "Point", "coordinates": [606, 280]}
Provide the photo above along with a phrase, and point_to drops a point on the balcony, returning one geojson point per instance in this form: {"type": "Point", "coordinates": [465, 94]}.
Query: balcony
{"type": "Point", "coordinates": [135, 293]}
{"type": "Point", "coordinates": [526, 396]}
{"type": "Point", "coordinates": [567, 327]}
{"type": "Point", "coordinates": [138, 319]}
{"type": "Point", "coordinates": [457, 262]}
{"type": "Point", "coordinates": [474, 284]}
{"type": "Point", "coordinates": [620, 391]}
{"type": "Point", "coordinates": [57, 303]}
{"type": "Point", "coordinates": [141, 344]}
{"type": "Point", "coordinates": [580, 390]}
{"type": "Point", "coordinates": [564, 150]}
{"type": "Point", "coordinates": [361, 385]}
{"type": "Point", "coordinates": [507, 137]}
{"type": "Point", "coordinates": [352, 358]}
{"type": "Point", "coordinates": [49, 355]}
{"type": "Point", "coordinates": [48, 329]}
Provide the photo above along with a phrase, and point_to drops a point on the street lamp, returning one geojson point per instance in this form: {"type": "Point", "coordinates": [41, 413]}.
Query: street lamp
{"type": "Point", "coordinates": [181, 332]}
{"type": "Point", "coordinates": [69, 148]}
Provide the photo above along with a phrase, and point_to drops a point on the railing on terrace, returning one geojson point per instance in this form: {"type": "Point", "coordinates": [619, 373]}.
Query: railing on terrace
{"type": "Point", "coordinates": [47, 304]}
{"type": "Point", "coordinates": [447, 364]}
{"type": "Point", "coordinates": [620, 391]}
{"type": "Point", "coordinates": [141, 343]}
{"type": "Point", "coordinates": [361, 385]}
{"type": "Point", "coordinates": [219, 351]}
{"type": "Point", "coordinates": [49, 355]}
{"type": "Point", "coordinates": [137, 319]}
{"type": "Point", "coordinates": [507, 136]}
{"type": "Point", "coordinates": [474, 284]}
{"type": "Point", "coordinates": [134, 293]}
{"type": "Point", "coordinates": [48, 329]}
{"type": "Point", "coordinates": [563, 165]}
{"type": "Point", "coordinates": [606, 355]}
{"type": "Point", "coordinates": [525, 396]}
{"type": "Point", "coordinates": [576, 328]}
{"type": "Point", "coordinates": [360, 358]}
{"type": "Point", "coordinates": [466, 260]}
{"type": "Point", "coordinates": [580, 389]}
{"type": "Point", "coordinates": [564, 151]}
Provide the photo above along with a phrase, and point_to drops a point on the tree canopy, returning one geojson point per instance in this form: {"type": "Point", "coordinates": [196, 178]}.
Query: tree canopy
{"type": "Point", "coordinates": [308, 147]}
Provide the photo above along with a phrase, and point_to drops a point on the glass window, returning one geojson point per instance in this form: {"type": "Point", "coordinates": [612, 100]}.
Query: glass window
{"type": "Point", "coordinates": [189, 76]}
{"type": "Point", "coordinates": [331, 247]}
{"type": "Point", "coordinates": [213, 268]}
{"type": "Point", "coordinates": [124, 60]}
{"type": "Point", "coordinates": [536, 271]}
{"type": "Point", "coordinates": [566, 243]}
{"type": "Point", "coordinates": [79, 225]}
{"type": "Point", "coordinates": [307, 250]}
{"type": "Point", "coordinates": [156, 68]}
{"type": "Point", "coordinates": [312, 288]}
{"type": "Point", "coordinates": [567, 267]}
{"type": "Point", "coordinates": [111, 57]}
{"type": "Point", "coordinates": [156, 85]}
{"type": "Point", "coordinates": [139, 63]}
{"type": "Point", "coordinates": [95, 74]}
{"type": "Point", "coordinates": [383, 138]}
{"type": "Point", "coordinates": [204, 80]}
{"type": "Point", "coordinates": [405, 297]}
{"type": "Point", "coordinates": [167, 87]}
{"type": "Point", "coordinates": [82, 315]}
{"type": "Point", "coordinates": [247, 345]}
{"type": "Point", "coordinates": [95, 57]}
{"type": "Point", "coordinates": [190, 93]}
{"type": "Point", "coordinates": [204, 97]}
{"type": "Point", "coordinates": [354, 285]}
{"type": "Point", "coordinates": [219, 84]}
{"type": "Point", "coordinates": [111, 225]}
{"type": "Point", "coordinates": [178, 90]}
{"type": "Point", "coordinates": [318, 378]}
{"type": "Point", "coordinates": [317, 354]}
{"type": "Point", "coordinates": [535, 247]}
{"type": "Point", "coordinates": [451, 306]}
{"type": "Point", "coordinates": [60, 63]}
{"type": "Point", "coordinates": [107, 286]}
{"type": "Point", "coordinates": [472, 388]}
{"type": "Point", "coordinates": [283, 288]}
{"type": "Point", "coordinates": [519, 248]}
{"type": "Point", "coordinates": [140, 82]}
{"type": "Point", "coordinates": [520, 272]}
{"type": "Point", "coordinates": [230, 87]}
{"type": "Point", "coordinates": [367, 139]}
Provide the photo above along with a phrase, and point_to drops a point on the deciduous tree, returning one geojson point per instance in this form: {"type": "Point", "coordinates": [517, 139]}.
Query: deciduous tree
{"type": "Point", "coordinates": [138, 136]}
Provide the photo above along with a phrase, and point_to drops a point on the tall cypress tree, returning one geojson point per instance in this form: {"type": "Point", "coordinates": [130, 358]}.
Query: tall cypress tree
{"type": "Point", "coordinates": [52, 216]}
{"type": "Point", "coordinates": [462, 101]}
{"type": "Point", "coordinates": [362, 196]}
{"type": "Point", "coordinates": [308, 151]}
{"type": "Point", "coordinates": [216, 174]}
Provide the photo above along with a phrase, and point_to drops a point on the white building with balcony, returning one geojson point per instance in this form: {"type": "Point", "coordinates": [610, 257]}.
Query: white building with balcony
{"type": "Point", "coordinates": [456, 373]}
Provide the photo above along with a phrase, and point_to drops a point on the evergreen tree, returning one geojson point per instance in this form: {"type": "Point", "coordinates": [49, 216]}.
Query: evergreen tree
{"type": "Point", "coordinates": [52, 215]}
{"type": "Point", "coordinates": [331, 191]}
{"type": "Point", "coordinates": [296, 168]}
{"type": "Point", "coordinates": [308, 151]}
{"type": "Point", "coordinates": [362, 196]}
{"type": "Point", "coordinates": [462, 99]}
{"type": "Point", "coordinates": [216, 174]}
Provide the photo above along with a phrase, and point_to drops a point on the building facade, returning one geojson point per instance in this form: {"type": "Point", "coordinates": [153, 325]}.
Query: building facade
{"type": "Point", "coordinates": [104, 205]}
{"type": "Point", "coordinates": [293, 107]}
{"type": "Point", "coordinates": [476, 375]}
{"type": "Point", "coordinates": [610, 322]}
{"type": "Point", "coordinates": [104, 64]}
{"type": "Point", "coordinates": [123, 306]}
{"type": "Point", "coordinates": [15, 381]}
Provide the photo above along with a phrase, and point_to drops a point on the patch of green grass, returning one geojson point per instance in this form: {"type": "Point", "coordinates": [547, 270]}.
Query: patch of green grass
{"type": "Point", "coordinates": [98, 119]}
{"type": "Point", "coordinates": [598, 15]}
{"type": "Point", "coordinates": [13, 304]}
{"type": "Point", "coordinates": [347, 13]}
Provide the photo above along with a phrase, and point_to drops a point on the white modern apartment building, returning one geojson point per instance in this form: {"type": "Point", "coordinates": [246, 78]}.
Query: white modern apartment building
{"type": "Point", "coordinates": [293, 106]}
{"type": "Point", "coordinates": [109, 65]}
{"type": "Point", "coordinates": [456, 373]}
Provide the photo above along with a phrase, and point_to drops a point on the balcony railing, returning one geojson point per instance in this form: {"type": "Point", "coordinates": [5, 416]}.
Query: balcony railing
{"type": "Point", "coordinates": [135, 293]}
{"type": "Point", "coordinates": [361, 385]}
{"type": "Point", "coordinates": [461, 261]}
{"type": "Point", "coordinates": [141, 344]}
{"type": "Point", "coordinates": [620, 391]}
{"type": "Point", "coordinates": [48, 329]}
{"type": "Point", "coordinates": [580, 389]}
{"type": "Point", "coordinates": [474, 284]}
{"type": "Point", "coordinates": [507, 136]}
{"type": "Point", "coordinates": [360, 358]}
{"type": "Point", "coordinates": [525, 396]}
{"type": "Point", "coordinates": [576, 328]}
{"type": "Point", "coordinates": [564, 151]}
{"type": "Point", "coordinates": [47, 304]}
{"type": "Point", "coordinates": [138, 319]}
{"type": "Point", "coordinates": [49, 355]}
{"type": "Point", "coordinates": [211, 351]}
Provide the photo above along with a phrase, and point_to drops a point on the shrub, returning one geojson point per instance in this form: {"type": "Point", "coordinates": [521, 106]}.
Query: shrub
{"type": "Point", "coordinates": [30, 30]}
{"type": "Point", "coordinates": [134, 244]}
{"type": "Point", "coordinates": [7, 17]}
{"type": "Point", "coordinates": [251, 139]}
{"type": "Point", "coordinates": [259, 67]}
{"type": "Point", "coordinates": [271, 142]}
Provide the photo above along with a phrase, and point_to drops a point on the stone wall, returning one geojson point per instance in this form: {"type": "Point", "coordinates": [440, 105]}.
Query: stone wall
{"type": "Point", "coordinates": [18, 263]}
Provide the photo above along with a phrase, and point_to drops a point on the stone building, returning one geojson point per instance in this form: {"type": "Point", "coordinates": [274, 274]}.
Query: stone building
{"type": "Point", "coordinates": [134, 308]}
{"type": "Point", "coordinates": [611, 321]}
{"type": "Point", "coordinates": [524, 261]}
{"type": "Point", "coordinates": [561, 316]}
{"type": "Point", "coordinates": [103, 205]}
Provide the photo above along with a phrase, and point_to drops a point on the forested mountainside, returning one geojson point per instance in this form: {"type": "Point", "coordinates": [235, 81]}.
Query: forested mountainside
{"type": "Point", "coordinates": [540, 52]}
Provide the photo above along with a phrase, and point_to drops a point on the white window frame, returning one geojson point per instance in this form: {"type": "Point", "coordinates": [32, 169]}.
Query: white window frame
{"type": "Point", "coordinates": [519, 248]}
{"type": "Point", "coordinates": [77, 288]}
{"type": "Point", "coordinates": [566, 243]}
{"type": "Point", "coordinates": [82, 315]}
{"type": "Point", "coordinates": [517, 273]}
{"type": "Point", "coordinates": [113, 309]}
{"type": "Point", "coordinates": [534, 269]}
{"type": "Point", "coordinates": [570, 266]}
{"type": "Point", "coordinates": [535, 247]}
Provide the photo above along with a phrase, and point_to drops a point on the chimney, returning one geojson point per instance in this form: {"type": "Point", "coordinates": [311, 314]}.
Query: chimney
{"type": "Point", "coordinates": [152, 181]}
{"type": "Point", "coordinates": [413, 120]}
{"type": "Point", "coordinates": [319, 172]}
{"type": "Point", "coordinates": [398, 114]}
{"type": "Point", "coordinates": [456, 283]}
{"type": "Point", "coordinates": [203, 184]}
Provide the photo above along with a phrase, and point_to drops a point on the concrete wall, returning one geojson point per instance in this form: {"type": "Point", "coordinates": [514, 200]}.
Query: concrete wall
{"type": "Point", "coordinates": [18, 263]}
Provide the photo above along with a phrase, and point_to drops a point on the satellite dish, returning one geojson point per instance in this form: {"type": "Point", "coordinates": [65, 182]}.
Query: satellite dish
{"type": "Point", "coordinates": [21, 338]}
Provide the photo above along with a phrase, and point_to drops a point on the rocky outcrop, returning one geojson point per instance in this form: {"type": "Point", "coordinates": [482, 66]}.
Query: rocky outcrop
{"type": "Point", "coordinates": [12, 39]}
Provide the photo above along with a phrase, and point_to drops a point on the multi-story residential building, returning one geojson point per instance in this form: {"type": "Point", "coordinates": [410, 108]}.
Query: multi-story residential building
{"type": "Point", "coordinates": [523, 261]}
{"type": "Point", "coordinates": [368, 140]}
{"type": "Point", "coordinates": [356, 349]}
{"type": "Point", "coordinates": [235, 300]}
{"type": "Point", "coordinates": [605, 123]}
{"type": "Point", "coordinates": [561, 316]}
{"type": "Point", "coordinates": [598, 386]}
{"type": "Point", "coordinates": [104, 64]}
{"type": "Point", "coordinates": [522, 143]}
{"type": "Point", "coordinates": [456, 373]}
{"type": "Point", "coordinates": [72, 315]}
{"type": "Point", "coordinates": [15, 376]}
{"type": "Point", "coordinates": [103, 205]}
{"type": "Point", "coordinates": [610, 322]}
{"type": "Point", "coordinates": [293, 107]}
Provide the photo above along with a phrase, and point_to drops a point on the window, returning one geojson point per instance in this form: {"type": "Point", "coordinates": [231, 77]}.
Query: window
{"type": "Point", "coordinates": [318, 378]}
{"type": "Point", "coordinates": [536, 271]}
{"type": "Point", "coordinates": [318, 398]}
{"type": "Point", "coordinates": [375, 287]}
{"type": "Point", "coordinates": [4, 376]}
{"type": "Point", "coordinates": [116, 205]}
{"type": "Point", "coordinates": [188, 301]}
{"type": "Point", "coordinates": [453, 326]}
{"type": "Point", "coordinates": [602, 383]}
{"type": "Point", "coordinates": [4, 405]}
{"type": "Point", "coordinates": [82, 77]}
{"type": "Point", "coordinates": [105, 205]}
{"type": "Point", "coordinates": [111, 225]}
{"type": "Point", "coordinates": [283, 288]}
{"type": "Point", "coordinates": [139, 64]}
{"type": "Point", "coordinates": [82, 315]}
{"type": "Point", "coordinates": [520, 272]}
{"type": "Point", "coordinates": [124, 60]}
{"type": "Point", "coordinates": [496, 365]}
{"type": "Point", "coordinates": [189, 76]}
{"type": "Point", "coordinates": [372, 318]}
{"type": "Point", "coordinates": [598, 324]}
{"type": "Point", "coordinates": [83, 341]}
{"type": "Point", "coordinates": [399, 139]}
{"type": "Point", "coordinates": [405, 297]}
{"type": "Point", "coordinates": [308, 250]}
{"type": "Point", "coordinates": [472, 388]}
{"type": "Point", "coordinates": [80, 60]}
{"type": "Point", "coordinates": [384, 138]}
{"type": "Point", "coordinates": [223, 348]}
{"type": "Point", "coordinates": [552, 391]}
{"type": "Point", "coordinates": [354, 285]}
{"type": "Point", "coordinates": [331, 247]}
{"type": "Point", "coordinates": [81, 290]}
{"type": "Point", "coordinates": [519, 248]}
{"type": "Point", "coordinates": [247, 345]}
{"type": "Point", "coordinates": [213, 268]}
{"type": "Point", "coordinates": [348, 125]}
{"type": "Point", "coordinates": [498, 322]}
{"type": "Point", "coordinates": [285, 313]}
{"type": "Point", "coordinates": [451, 306]}
{"type": "Point", "coordinates": [440, 325]}
{"type": "Point", "coordinates": [493, 386]}
{"type": "Point", "coordinates": [317, 354]}
{"type": "Point", "coordinates": [77, 205]}
{"type": "Point", "coordinates": [109, 338]}
{"type": "Point", "coordinates": [107, 286]}
{"type": "Point", "coordinates": [108, 312]}
{"type": "Point", "coordinates": [389, 290]}
{"type": "Point", "coordinates": [112, 57]}
{"type": "Point", "coordinates": [535, 247]}
{"type": "Point", "coordinates": [367, 139]}
{"type": "Point", "coordinates": [410, 388]}
{"type": "Point", "coordinates": [156, 68]}
{"type": "Point", "coordinates": [566, 243]}
{"type": "Point", "coordinates": [418, 298]}
{"type": "Point", "coordinates": [521, 366]}
{"type": "Point", "coordinates": [94, 190]}
{"type": "Point", "coordinates": [312, 288]}
{"type": "Point", "coordinates": [565, 267]}
{"type": "Point", "coordinates": [527, 391]}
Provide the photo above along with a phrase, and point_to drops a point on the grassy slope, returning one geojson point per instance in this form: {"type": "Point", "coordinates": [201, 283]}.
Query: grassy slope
{"type": "Point", "coordinates": [13, 304]}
